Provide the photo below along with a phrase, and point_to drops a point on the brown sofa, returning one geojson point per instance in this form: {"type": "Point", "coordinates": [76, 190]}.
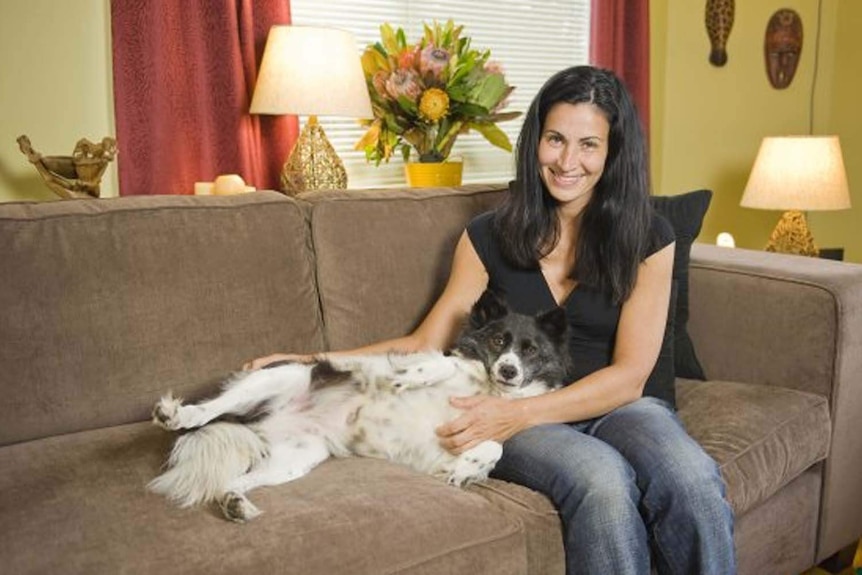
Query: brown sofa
{"type": "Point", "coordinates": [106, 304]}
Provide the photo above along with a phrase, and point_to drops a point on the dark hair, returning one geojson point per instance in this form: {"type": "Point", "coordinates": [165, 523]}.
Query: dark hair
{"type": "Point", "coordinates": [613, 237]}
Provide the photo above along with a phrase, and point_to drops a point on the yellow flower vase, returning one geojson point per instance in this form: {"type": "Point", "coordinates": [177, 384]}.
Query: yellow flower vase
{"type": "Point", "coordinates": [433, 175]}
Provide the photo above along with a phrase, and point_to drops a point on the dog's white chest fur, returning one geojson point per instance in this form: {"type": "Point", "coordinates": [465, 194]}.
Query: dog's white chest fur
{"type": "Point", "coordinates": [398, 420]}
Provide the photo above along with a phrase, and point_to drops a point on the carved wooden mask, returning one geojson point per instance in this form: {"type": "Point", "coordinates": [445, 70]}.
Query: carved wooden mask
{"type": "Point", "coordinates": [782, 47]}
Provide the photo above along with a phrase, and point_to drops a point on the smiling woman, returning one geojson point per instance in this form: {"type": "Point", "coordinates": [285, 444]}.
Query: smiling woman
{"type": "Point", "coordinates": [572, 152]}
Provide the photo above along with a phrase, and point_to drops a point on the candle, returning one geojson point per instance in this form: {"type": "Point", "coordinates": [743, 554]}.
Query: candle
{"type": "Point", "coordinates": [725, 240]}
{"type": "Point", "coordinates": [204, 188]}
{"type": "Point", "coordinates": [229, 184]}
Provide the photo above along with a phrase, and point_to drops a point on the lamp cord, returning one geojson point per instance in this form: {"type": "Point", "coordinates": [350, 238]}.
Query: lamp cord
{"type": "Point", "coordinates": [816, 62]}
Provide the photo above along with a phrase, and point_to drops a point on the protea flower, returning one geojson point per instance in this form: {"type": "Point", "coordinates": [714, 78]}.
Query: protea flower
{"type": "Point", "coordinates": [404, 83]}
{"type": "Point", "coordinates": [434, 104]}
{"type": "Point", "coordinates": [432, 60]}
{"type": "Point", "coordinates": [378, 80]}
{"type": "Point", "coordinates": [407, 58]}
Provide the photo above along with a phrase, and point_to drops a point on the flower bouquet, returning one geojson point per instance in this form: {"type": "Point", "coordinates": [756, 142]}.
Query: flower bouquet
{"type": "Point", "coordinates": [425, 94]}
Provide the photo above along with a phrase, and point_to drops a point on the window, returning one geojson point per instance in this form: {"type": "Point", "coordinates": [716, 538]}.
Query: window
{"type": "Point", "coordinates": [532, 39]}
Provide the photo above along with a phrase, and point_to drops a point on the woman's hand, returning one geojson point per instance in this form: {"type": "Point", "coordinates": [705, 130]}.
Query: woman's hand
{"type": "Point", "coordinates": [268, 359]}
{"type": "Point", "coordinates": [484, 418]}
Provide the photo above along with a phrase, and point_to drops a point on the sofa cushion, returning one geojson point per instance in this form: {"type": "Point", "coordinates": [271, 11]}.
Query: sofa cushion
{"type": "Point", "coordinates": [107, 303]}
{"type": "Point", "coordinates": [762, 436]}
{"type": "Point", "coordinates": [397, 272]}
{"type": "Point", "coordinates": [545, 554]}
{"type": "Point", "coordinates": [685, 212]}
{"type": "Point", "coordinates": [77, 504]}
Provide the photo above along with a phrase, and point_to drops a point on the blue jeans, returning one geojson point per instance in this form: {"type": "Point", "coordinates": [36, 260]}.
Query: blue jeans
{"type": "Point", "coordinates": [629, 485]}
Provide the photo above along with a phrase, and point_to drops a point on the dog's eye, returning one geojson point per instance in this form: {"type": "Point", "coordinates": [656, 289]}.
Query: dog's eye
{"type": "Point", "coordinates": [498, 341]}
{"type": "Point", "coordinates": [529, 349]}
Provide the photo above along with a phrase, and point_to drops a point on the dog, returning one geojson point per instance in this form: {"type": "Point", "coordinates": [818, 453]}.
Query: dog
{"type": "Point", "coordinates": [276, 424]}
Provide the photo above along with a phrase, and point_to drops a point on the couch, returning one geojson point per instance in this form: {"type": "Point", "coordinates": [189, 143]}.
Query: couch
{"type": "Point", "coordinates": [108, 303]}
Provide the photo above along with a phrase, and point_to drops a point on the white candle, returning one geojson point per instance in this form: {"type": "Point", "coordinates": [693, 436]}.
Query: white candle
{"type": "Point", "coordinates": [229, 184]}
{"type": "Point", "coordinates": [725, 240]}
{"type": "Point", "coordinates": [204, 188]}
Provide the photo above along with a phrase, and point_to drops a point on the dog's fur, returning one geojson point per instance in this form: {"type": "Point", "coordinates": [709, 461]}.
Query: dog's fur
{"type": "Point", "coordinates": [288, 419]}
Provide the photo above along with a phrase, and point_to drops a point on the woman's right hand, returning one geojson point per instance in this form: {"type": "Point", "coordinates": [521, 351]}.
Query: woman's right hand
{"type": "Point", "coordinates": [269, 359]}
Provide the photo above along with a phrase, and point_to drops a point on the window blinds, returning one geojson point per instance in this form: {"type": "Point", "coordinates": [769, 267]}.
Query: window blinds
{"type": "Point", "coordinates": [530, 39]}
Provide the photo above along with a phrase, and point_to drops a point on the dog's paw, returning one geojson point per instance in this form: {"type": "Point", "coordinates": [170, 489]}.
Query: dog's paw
{"type": "Point", "coordinates": [425, 374]}
{"type": "Point", "coordinates": [475, 464]}
{"type": "Point", "coordinates": [170, 413]}
{"type": "Point", "coordinates": [165, 412]}
{"type": "Point", "coordinates": [237, 508]}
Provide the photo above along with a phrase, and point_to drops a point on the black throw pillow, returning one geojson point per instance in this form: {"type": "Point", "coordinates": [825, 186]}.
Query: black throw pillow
{"type": "Point", "coordinates": [685, 213]}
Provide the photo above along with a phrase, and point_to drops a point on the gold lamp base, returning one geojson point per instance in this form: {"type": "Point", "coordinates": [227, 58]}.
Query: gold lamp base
{"type": "Point", "coordinates": [313, 163]}
{"type": "Point", "coordinates": [792, 236]}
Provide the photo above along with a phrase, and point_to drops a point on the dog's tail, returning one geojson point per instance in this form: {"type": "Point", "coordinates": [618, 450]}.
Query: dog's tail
{"type": "Point", "coordinates": [203, 462]}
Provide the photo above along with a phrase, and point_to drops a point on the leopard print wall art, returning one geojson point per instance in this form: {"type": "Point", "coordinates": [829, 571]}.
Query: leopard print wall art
{"type": "Point", "coordinates": [719, 21]}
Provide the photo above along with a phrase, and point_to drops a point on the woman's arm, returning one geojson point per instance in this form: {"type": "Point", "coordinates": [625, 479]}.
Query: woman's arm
{"type": "Point", "coordinates": [638, 341]}
{"type": "Point", "coordinates": [467, 281]}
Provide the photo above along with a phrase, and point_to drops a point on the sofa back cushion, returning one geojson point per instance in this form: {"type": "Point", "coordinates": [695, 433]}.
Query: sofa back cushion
{"type": "Point", "coordinates": [391, 251]}
{"type": "Point", "coordinates": [109, 303]}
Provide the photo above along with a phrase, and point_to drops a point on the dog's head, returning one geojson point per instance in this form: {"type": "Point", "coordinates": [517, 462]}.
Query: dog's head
{"type": "Point", "coordinates": [523, 355]}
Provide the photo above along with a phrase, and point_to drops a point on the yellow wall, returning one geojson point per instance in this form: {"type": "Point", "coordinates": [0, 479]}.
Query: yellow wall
{"type": "Point", "coordinates": [839, 113]}
{"type": "Point", "coordinates": [55, 87]}
{"type": "Point", "coordinates": [707, 122]}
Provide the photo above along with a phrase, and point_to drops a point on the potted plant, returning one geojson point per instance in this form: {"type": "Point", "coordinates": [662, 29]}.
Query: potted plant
{"type": "Point", "coordinates": [426, 94]}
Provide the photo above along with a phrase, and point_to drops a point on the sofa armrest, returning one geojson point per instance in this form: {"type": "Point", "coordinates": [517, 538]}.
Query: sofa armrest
{"type": "Point", "coordinates": [794, 322]}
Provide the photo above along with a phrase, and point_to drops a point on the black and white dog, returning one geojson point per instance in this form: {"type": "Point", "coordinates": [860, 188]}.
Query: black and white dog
{"type": "Point", "coordinates": [286, 420]}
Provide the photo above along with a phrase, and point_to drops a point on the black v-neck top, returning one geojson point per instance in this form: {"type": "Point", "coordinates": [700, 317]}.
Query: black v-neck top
{"type": "Point", "coordinates": [592, 316]}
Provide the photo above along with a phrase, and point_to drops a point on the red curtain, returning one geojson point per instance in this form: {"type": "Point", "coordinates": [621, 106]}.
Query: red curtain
{"type": "Point", "coordinates": [184, 74]}
{"type": "Point", "coordinates": [619, 40]}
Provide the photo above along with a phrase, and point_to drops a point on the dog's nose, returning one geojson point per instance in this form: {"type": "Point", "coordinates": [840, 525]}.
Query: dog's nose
{"type": "Point", "coordinates": [508, 371]}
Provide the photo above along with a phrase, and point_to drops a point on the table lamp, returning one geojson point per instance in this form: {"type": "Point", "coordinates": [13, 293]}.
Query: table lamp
{"type": "Point", "coordinates": [311, 71]}
{"type": "Point", "coordinates": [796, 174]}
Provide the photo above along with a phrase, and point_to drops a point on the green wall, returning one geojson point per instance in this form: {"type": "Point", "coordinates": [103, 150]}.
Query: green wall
{"type": "Point", "coordinates": [708, 122]}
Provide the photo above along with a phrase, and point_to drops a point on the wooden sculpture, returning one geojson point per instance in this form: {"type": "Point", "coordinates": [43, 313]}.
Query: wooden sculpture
{"type": "Point", "coordinates": [782, 47]}
{"type": "Point", "coordinates": [75, 176]}
{"type": "Point", "coordinates": [719, 21]}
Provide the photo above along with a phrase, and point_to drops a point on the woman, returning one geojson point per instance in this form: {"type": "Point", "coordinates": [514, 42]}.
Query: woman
{"type": "Point", "coordinates": [576, 229]}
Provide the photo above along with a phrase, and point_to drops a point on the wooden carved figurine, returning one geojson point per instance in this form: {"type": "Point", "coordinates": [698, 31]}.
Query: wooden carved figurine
{"type": "Point", "coordinates": [719, 21]}
{"type": "Point", "coordinates": [782, 47]}
{"type": "Point", "coordinates": [75, 176]}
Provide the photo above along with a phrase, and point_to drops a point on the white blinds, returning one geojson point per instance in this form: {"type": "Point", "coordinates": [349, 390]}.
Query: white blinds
{"type": "Point", "coordinates": [532, 39]}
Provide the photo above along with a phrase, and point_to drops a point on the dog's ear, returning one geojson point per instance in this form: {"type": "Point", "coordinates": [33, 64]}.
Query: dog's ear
{"type": "Point", "coordinates": [553, 323]}
{"type": "Point", "coordinates": [489, 308]}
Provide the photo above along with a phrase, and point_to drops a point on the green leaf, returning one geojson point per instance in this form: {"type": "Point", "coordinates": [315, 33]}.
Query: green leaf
{"type": "Point", "coordinates": [464, 65]}
{"type": "Point", "coordinates": [374, 59]}
{"type": "Point", "coordinates": [493, 134]}
{"type": "Point", "coordinates": [449, 136]}
{"type": "Point", "coordinates": [391, 123]}
{"type": "Point", "coordinates": [429, 34]}
{"type": "Point", "coordinates": [503, 116]}
{"type": "Point", "coordinates": [390, 43]}
{"type": "Point", "coordinates": [469, 110]}
{"type": "Point", "coordinates": [489, 91]}
{"type": "Point", "coordinates": [408, 105]}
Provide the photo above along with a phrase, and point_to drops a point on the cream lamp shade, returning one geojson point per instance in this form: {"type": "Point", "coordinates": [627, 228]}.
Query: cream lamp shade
{"type": "Point", "coordinates": [311, 71]}
{"type": "Point", "coordinates": [796, 174]}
